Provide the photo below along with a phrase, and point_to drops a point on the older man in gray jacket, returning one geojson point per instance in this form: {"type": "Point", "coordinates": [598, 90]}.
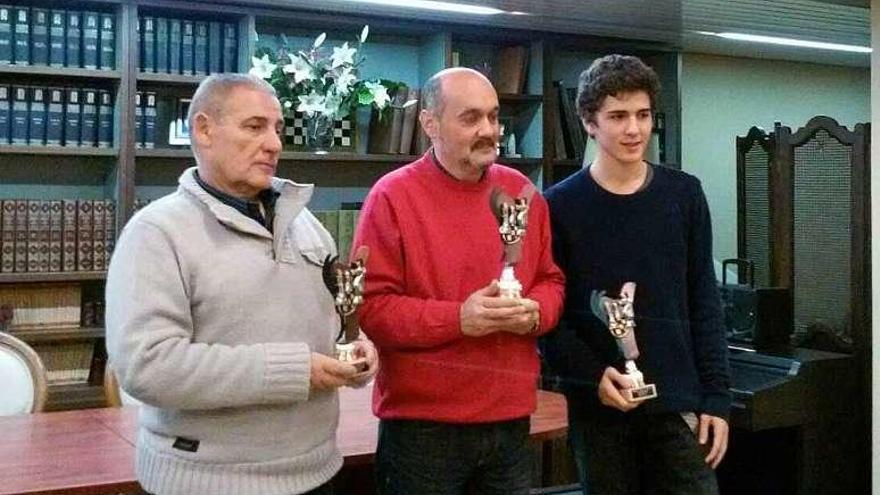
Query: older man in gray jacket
{"type": "Point", "coordinates": [218, 319]}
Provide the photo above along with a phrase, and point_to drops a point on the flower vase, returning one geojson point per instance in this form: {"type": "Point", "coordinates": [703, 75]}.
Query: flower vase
{"type": "Point", "coordinates": [319, 133]}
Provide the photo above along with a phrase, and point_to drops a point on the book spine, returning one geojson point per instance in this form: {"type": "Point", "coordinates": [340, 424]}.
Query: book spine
{"type": "Point", "coordinates": [230, 47]}
{"type": "Point", "coordinates": [161, 44]}
{"type": "Point", "coordinates": [108, 42]}
{"type": "Point", "coordinates": [33, 236]}
{"type": "Point", "coordinates": [90, 40]}
{"type": "Point", "coordinates": [40, 37]}
{"type": "Point", "coordinates": [37, 117]}
{"type": "Point", "coordinates": [7, 236]}
{"type": "Point", "coordinates": [56, 38]}
{"type": "Point", "coordinates": [44, 236]}
{"type": "Point", "coordinates": [68, 235]}
{"type": "Point", "coordinates": [19, 132]}
{"type": "Point", "coordinates": [84, 246]}
{"type": "Point", "coordinates": [174, 47]}
{"type": "Point", "coordinates": [105, 120]}
{"type": "Point", "coordinates": [215, 47]}
{"type": "Point", "coordinates": [21, 235]}
{"type": "Point", "coordinates": [74, 40]}
{"type": "Point", "coordinates": [187, 48]}
{"type": "Point", "coordinates": [56, 231]}
{"type": "Point", "coordinates": [6, 38]}
{"type": "Point", "coordinates": [139, 120]}
{"type": "Point", "coordinates": [109, 229]}
{"type": "Point", "coordinates": [201, 48]}
{"type": "Point", "coordinates": [148, 40]}
{"type": "Point", "coordinates": [150, 121]}
{"type": "Point", "coordinates": [72, 118]}
{"type": "Point", "coordinates": [5, 115]}
{"type": "Point", "coordinates": [89, 130]}
{"type": "Point", "coordinates": [98, 233]}
{"type": "Point", "coordinates": [22, 43]}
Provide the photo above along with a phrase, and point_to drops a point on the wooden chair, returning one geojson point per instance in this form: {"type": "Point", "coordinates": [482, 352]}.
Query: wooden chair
{"type": "Point", "coordinates": [23, 376]}
{"type": "Point", "coordinates": [113, 393]}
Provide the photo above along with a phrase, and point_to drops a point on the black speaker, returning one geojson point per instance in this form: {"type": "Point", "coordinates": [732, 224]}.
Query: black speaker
{"type": "Point", "coordinates": [755, 317]}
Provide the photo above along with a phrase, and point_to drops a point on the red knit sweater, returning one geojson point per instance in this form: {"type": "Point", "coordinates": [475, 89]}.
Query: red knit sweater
{"type": "Point", "coordinates": [433, 241]}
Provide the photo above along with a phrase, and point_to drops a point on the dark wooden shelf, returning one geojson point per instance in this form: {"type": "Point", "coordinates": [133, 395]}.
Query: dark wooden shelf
{"type": "Point", "coordinates": [164, 78]}
{"type": "Point", "coordinates": [75, 396]}
{"type": "Point", "coordinates": [566, 162]}
{"type": "Point", "coordinates": [305, 156]}
{"type": "Point", "coordinates": [57, 151]}
{"type": "Point", "coordinates": [23, 278]}
{"type": "Point", "coordinates": [183, 153]}
{"type": "Point", "coordinates": [520, 162]}
{"type": "Point", "coordinates": [59, 334]}
{"type": "Point", "coordinates": [73, 72]}
{"type": "Point", "coordinates": [519, 98]}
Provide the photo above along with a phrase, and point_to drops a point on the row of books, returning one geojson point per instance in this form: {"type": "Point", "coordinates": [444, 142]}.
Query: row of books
{"type": "Point", "coordinates": [42, 306]}
{"type": "Point", "coordinates": [56, 235]}
{"type": "Point", "coordinates": [37, 116]}
{"type": "Point", "coordinates": [57, 37]}
{"type": "Point", "coordinates": [341, 225]}
{"type": "Point", "coordinates": [145, 119]}
{"type": "Point", "coordinates": [397, 131]}
{"type": "Point", "coordinates": [185, 46]}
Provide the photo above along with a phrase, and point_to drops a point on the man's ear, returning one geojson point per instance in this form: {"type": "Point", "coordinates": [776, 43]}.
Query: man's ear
{"type": "Point", "coordinates": [429, 123]}
{"type": "Point", "coordinates": [202, 129]}
{"type": "Point", "coordinates": [589, 127]}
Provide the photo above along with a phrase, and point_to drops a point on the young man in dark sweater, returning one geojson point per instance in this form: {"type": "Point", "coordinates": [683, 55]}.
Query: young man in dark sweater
{"type": "Point", "coordinates": [622, 219]}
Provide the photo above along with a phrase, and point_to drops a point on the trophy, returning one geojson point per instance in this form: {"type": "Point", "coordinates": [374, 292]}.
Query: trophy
{"type": "Point", "coordinates": [346, 285]}
{"type": "Point", "coordinates": [512, 215]}
{"type": "Point", "coordinates": [620, 317]}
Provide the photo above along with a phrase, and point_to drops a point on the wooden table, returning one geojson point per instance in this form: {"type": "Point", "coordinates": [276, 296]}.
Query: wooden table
{"type": "Point", "coordinates": [92, 451]}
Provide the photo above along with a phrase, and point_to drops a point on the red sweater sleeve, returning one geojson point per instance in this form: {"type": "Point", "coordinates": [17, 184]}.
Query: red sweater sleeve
{"type": "Point", "coordinates": [390, 318]}
{"type": "Point", "coordinates": [549, 286]}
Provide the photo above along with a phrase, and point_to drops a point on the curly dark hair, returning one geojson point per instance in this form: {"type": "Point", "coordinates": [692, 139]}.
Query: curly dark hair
{"type": "Point", "coordinates": [612, 75]}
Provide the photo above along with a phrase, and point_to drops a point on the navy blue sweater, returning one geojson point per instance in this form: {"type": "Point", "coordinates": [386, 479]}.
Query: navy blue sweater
{"type": "Point", "coordinates": [660, 238]}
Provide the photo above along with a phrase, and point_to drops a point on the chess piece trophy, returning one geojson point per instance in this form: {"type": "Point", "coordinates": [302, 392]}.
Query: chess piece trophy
{"type": "Point", "coordinates": [346, 284]}
{"type": "Point", "coordinates": [619, 315]}
{"type": "Point", "coordinates": [512, 215]}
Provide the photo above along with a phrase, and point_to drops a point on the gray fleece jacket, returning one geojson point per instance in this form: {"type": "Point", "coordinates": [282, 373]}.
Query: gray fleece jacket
{"type": "Point", "coordinates": [211, 322]}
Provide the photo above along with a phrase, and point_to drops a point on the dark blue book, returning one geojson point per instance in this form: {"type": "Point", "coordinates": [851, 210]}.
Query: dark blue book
{"type": "Point", "coordinates": [19, 132]}
{"type": "Point", "coordinates": [105, 120]}
{"type": "Point", "coordinates": [161, 44]}
{"type": "Point", "coordinates": [56, 38]}
{"type": "Point", "coordinates": [40, 37]}
{"type": "Point", "coordinates": [174, 46]}
{"type": "Point", "coordinates": [37, 116]}
{"type": "Point", "coordinates": [90, 37]}
{"type": "Point", "coordinates": [148, 44]}
{"type": "Point", "coordinates": [55, 117]}
{"type": "Point", "coordinates": [150, 121]}
{"type": "Point", "coordinates": [201, 48]}
{"type": "Point", "coordinates": [74, 40]}
{"type": "Point", "coordinates": [6, 35]}
{"type": "Point", "coordinates": [89, 132]}
{"type": "Point", "coordinates": [22, 36]}
{"type": "Point", "coordinates": [108, 42]}
{"type": "Point", "coordinates": [215, 47]}
{"type": "Point", "coordinates": [230, 48]}
{"type": "Point", "coordinates": [72, 118]}
{"type": "Point", "coordinates": [5, 115]}
{"type": "Point", "coordinates": [138, 120]}
{"type": "Point", "coordinates": [186, 48]}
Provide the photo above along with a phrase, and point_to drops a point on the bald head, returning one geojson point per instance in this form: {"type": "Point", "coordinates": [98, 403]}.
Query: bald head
{"type": "Point", "coordinates": [432, 92]}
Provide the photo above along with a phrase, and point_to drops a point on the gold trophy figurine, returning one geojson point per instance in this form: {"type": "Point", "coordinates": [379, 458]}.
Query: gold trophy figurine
{"type": "Point", "coordinates": [620, 317]}
{"type": "Point", "coordinates": [512, 215]}
{"type": "Point", "coordinates": [346, 285]}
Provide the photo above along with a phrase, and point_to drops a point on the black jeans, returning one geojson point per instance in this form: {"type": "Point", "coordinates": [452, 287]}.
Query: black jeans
{"type": "Point", "coordinates": [430, 458]}
{"type": "Point", "coordinates": [632, 454]}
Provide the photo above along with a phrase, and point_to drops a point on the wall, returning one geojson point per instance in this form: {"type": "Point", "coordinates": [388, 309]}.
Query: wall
{"type": "Point", "coordinates": [722, 97]}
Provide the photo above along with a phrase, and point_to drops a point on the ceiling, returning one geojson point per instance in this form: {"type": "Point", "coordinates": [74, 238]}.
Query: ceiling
{"type": "Point", "coordinates": [670, 21]}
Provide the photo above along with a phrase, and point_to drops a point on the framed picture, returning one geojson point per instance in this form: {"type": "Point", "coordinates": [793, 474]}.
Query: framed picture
{"type": "Point", "coordinates": [344, 133]}
{"type": "Point", "coordinates": [178, 129]}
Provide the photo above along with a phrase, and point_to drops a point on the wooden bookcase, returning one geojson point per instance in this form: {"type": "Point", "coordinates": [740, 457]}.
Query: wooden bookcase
{"type": "Point", "coordinates": [398, 50]}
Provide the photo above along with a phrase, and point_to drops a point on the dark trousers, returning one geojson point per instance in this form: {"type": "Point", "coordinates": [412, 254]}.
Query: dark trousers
{"type": "Point", "coordinates": [633, 454]}
{"type": "Point", "coordinates": [431, 458]}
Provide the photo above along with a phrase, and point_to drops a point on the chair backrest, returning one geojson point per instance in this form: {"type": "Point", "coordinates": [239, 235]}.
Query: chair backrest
{"type": "Point", "coordinates": [23, 376]}
{"type": "Point", "coordinates": [113, 393]}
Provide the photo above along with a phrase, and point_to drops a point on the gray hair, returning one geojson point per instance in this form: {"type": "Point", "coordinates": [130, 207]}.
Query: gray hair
{"type": "Point", "coordinates": [432, 91]}
{"type": "Point", "coordinates": [215, 89]}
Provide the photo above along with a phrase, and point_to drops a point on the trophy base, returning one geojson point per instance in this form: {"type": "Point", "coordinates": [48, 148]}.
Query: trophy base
{"type": "Point", "coordinates": [509, 287]}
{"type": "Point", "coordinates": [346, 354]}
{"type": "Point", "coordinates": [639, 394]}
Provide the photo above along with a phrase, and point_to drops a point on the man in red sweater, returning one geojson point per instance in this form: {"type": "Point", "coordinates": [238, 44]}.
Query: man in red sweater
{"type": "Point", "coordinates": [459, 363]}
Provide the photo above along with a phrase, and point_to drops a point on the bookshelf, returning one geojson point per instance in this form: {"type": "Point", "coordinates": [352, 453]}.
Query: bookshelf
{"type": "Point", "coordinates": [128, 170]}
